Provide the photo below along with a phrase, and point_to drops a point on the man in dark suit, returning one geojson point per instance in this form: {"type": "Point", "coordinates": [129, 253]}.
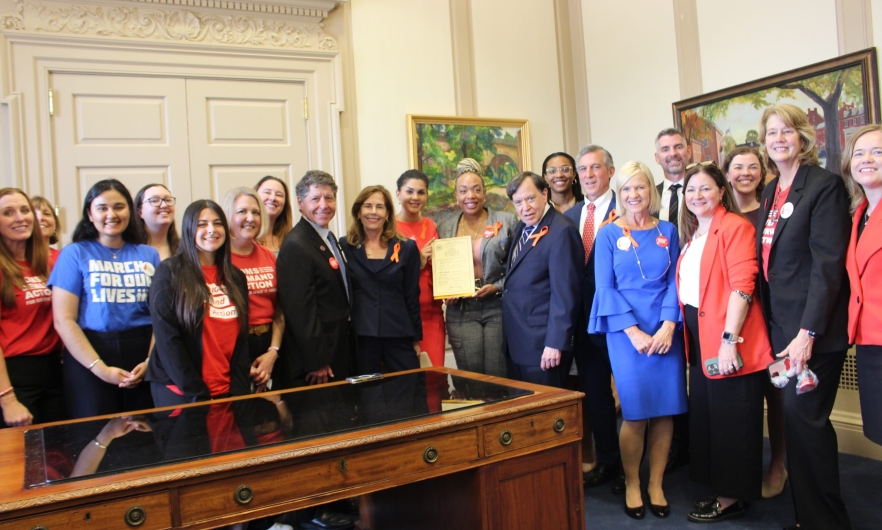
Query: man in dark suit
{"type": "Point", "coordinates": [673, 153]}
{"type": "Point", "coordinates": [314, 294]}
{"type": "Point", "coordinates": [594, 166]}
{"type": "Point", "coordinates": [540, 303]}
{"type": "Point", "coordinates": [314, 290]}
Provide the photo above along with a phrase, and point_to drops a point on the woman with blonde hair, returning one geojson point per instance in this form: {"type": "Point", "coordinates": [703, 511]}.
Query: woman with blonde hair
{"type": "Point", "coordinates": [636, 306]}
{"type": "Point", "coordinates": [385, 271]}
{"type": "Point", "coordinates": [49, 225]}
{"type": "Point", "coordinates": [474, 323]}
{"type": "Point", "coordinates": [801, 250]}
{"type": "Point", "coordinates": [249, 222]}
{"type": "Point", "coordinates": [275, 197]}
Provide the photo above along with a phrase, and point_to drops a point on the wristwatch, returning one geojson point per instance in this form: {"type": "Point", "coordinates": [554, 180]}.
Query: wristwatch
{"type": "Point", "coordinates": [811, 334]}
{"type": "Point", "coordinates": [731, 338]}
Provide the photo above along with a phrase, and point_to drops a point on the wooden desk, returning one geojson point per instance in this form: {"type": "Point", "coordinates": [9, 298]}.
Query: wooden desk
{"type": "Point", "coordinates": [514, 464]}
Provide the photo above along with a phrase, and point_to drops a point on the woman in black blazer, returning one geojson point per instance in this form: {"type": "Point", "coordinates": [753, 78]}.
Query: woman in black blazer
{"type": "Point", "coordinates": [801, 245]}
{"type": "Point", "coordinates": [385, 270]}
{"type": "Point", "coordinates": [199, 355]}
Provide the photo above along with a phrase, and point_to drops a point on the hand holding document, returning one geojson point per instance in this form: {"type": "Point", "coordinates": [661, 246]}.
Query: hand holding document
{"type": "Point", "coordinates": [453, 272]}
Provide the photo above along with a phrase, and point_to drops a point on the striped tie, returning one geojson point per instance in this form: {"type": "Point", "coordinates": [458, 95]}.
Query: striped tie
{"type": "Point", "coordinates": [528, 231]}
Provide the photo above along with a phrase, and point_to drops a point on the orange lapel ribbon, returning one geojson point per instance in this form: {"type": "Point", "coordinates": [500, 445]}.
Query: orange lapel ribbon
{"type": "Point", "coordinates": [395, 250]}
{"type": "Point", "coordinates": [535, 237]}
{"type": "Point", "coordinates": [612, 217]}
{"type": "Point", "coordinates": [627, 233]}
{"type": "Point", "coordinates": [495, 227]}
{"type": "Point", "coordinates": [425, 225]}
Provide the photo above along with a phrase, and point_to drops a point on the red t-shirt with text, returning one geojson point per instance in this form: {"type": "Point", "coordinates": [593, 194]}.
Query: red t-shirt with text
{"type": "Point", "coordinates": [260, 271]}
{"type": "Point", "coordinates": [27, 328]}
{"type": "Point", "coordinates": [771, 224]}
{"type": "Point", "coordinates": [220, 329]}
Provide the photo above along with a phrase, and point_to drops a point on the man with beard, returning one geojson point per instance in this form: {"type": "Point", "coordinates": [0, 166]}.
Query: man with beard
{"type": "Point", "coordinates": [672, 153]}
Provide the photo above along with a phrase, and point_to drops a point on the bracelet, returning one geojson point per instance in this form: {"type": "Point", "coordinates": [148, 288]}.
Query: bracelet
{"type": "Point", "coordinates": [6, 392]}
{"type": "Point", "coordinates": [94, 363]}
{"type": "Point", "coordinates": [744, 295]}
{"type": "Point", "coordinates": [96, 442]}
{"type": "Point", "coordinates": [273, 348]}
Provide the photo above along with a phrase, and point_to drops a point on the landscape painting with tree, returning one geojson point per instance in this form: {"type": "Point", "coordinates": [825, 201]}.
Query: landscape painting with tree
{"type": "Point", "coordinates": [838, 96]}
{"type": "Point", "coordinates": [436, 144]}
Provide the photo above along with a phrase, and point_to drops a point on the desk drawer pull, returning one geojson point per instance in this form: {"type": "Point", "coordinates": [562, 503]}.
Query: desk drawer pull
{"type": "Point", "coordinates": [430, 455]}
{"type": "Point", "coordinates": [505, 437]}
{"type": "Point", "coordinates": [135, 516]}
{"type": "Point", "coordinates": [243, 495]}
{"type": "Point", "coordinates": [559, 425]}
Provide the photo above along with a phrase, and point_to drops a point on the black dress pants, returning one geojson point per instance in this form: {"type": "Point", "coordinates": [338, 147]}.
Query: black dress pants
{"type": "Point", "coordinates": [812, 446]}
{"type": "Point", "coordinates": [595, 373]}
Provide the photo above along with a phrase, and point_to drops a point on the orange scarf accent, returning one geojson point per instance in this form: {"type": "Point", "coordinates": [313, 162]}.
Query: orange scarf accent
{"type": "Point", "coordinates": [395, 250]}
{"type": "Point", "coordinates": [612, 217]}
{"type": "Point", "coordinates": [495, 227]}
{"type": "Point", "coordinates": [627, 233]}
{"type": "Point", "coordinates": [535, 237]}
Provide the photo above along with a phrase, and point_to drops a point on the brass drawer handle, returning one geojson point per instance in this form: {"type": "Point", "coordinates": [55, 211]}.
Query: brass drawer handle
{"type": "Point", "coordinates": [430, 455]}
{"type": "Point", "coordinates": [559, 425]}
{"type": "Point", "coordinates": [243, 495]}
{"type": "Point", "coordinates": [135, 516]}
{"type": "Point", "coordinates": [505, 437]}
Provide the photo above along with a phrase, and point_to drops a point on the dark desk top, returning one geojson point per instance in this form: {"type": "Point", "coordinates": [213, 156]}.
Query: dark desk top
{"type": "Point", "coordinates": [60, 453]}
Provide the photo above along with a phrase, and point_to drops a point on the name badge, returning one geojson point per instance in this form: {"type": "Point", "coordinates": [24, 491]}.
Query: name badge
{"type": "Point", "coordinates": [662, 241]}
{"type": "Point", "coordinates": [623, 243]}
{"type": "Point", "coordinates": [787, 210]}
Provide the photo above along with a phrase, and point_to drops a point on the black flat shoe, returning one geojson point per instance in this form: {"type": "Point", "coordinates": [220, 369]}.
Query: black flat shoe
{"type": "Point", "coordinates": [601, 474]}
{"type": "Point", "coordinates": [713, 513]}
{"type": "Point", "coordinates": [660, 511]}
{"type": "Point", "coordinates": [704, 502]}
{"type": "Point", "coordinates": [330, 521]}
{"type": "Point", "coordinates": [635, 513]}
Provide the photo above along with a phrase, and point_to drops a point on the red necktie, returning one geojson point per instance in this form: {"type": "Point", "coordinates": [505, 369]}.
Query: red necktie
{"type": "Point", "coordinates": [588, 231]}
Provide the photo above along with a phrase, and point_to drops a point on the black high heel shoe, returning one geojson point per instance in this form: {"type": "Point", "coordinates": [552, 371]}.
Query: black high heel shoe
{"type": "Point", "coordinates": [635, 513]}
{"type": "Point", "coordinates": [660, 511]}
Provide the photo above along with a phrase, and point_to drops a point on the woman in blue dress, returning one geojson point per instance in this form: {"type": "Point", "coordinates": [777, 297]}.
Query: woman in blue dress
{"type": "Point", "coordinates": [636, 306]}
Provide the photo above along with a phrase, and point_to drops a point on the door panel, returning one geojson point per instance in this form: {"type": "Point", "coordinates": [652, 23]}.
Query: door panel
{"type": "Point", "coordinates": [133, 129]}
{"type": "Point", "coordinates": [241, 131]}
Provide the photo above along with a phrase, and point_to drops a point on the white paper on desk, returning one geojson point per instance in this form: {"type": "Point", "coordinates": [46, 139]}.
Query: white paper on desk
{"type": "Point", "coordinates": [425, 362]}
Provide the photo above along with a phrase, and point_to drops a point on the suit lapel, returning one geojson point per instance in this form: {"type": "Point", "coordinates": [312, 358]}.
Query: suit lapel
{"type": "Point", "coordinates": [793, 197]}
{"type": "Point", "coordinates": [871, 239]}
{"type": "Point", "coordinates": [710, 252]}
{"type": "Point", "coordinates": [323, 248]}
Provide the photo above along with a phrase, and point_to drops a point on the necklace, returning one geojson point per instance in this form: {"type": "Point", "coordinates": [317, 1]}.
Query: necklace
{"type": "Point", "coordinates": [110, 250]}
{"type": "Point", "coordinates": [640, 266]}
{"type": "Point", "coordinates": [474, 236]}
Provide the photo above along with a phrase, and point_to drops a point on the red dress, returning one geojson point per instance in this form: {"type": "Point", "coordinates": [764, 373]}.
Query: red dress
{"type": "Point", "coordinates": [430, 309]}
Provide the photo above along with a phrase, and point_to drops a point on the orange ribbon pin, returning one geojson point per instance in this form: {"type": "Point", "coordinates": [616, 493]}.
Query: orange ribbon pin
{"type": "Point", "coordinates": [627, 233]}
{"type": "Point", "coordinates": [612, 217]}
{"type": "Point", "coordinates": [535, 237]}
{"type": "Point", "coordinates": [494, 227]}
{"type": "Point", "coordinates": [395, 250]}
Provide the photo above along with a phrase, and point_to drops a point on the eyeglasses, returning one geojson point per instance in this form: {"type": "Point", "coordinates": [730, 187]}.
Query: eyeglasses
{"type": "Point", "coordinates": [701, 164]}
{"type": "Point", "coordinates": [156, 201]}
{"type": "Point", "coordinates": [564, 170]}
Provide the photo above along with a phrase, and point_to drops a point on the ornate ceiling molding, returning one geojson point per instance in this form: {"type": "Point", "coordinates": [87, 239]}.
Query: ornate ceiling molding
{"type": "Point", "coordinates": [193, 21]}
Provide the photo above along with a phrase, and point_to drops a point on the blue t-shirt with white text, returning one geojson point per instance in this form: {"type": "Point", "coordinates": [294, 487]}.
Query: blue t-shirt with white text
{"type": "Point", "coordinates": [112, 290]}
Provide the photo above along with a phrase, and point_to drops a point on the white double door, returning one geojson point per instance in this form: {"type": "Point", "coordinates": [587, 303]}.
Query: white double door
{"type": "Point", "coordinates": [198, 137]}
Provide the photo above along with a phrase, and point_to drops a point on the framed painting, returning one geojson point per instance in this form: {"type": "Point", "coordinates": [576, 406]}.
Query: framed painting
{"type": "Point", "coordinates": [436, 144]}
{"type": "Point", "coordinates": [839, 97]}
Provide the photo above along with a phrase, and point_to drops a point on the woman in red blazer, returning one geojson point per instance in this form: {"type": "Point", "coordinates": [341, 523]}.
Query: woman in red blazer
{"type": "Point", "coordinates": [862, 168]}
{"type": "Point", "coordinates": [726, 344]}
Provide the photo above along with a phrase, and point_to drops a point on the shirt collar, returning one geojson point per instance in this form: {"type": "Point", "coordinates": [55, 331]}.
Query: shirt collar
{"type": "Point", "coordinates": [322, 231]}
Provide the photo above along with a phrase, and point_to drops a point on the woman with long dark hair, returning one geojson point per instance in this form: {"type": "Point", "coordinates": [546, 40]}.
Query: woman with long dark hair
{"type": "Point", "coordinates": [199, 306]}
{"type": "Point", "coordinates": [277, 201]}
{"type": "Point", "coordinates": [99, 303]}
{"type": "Point", "coordinates": [30, 364]}
{"type": "Point", "coordinates": [156, 219]}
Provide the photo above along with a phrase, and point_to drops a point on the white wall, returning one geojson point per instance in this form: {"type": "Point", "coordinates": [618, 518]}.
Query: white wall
{"type": "Point", "coordinates": [516, 68]}
{"type": "Point", "coordinates": [740, 42]}
{"type": "Point", "coordinates": [631, 57]}
{"type": "Point", "coordinates": [403, 65]}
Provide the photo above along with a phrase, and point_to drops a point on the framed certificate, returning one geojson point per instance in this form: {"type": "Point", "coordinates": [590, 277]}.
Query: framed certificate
{"type": "Point", "coordinates": [453, 271]}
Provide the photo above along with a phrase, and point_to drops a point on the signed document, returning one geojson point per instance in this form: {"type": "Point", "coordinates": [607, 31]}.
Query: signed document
{"type": "Point", "coordinates": [453, 270]}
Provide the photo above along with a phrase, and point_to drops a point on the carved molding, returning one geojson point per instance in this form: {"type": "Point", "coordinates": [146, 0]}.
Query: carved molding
{"type": "Point", "coordinates": [175, 24]}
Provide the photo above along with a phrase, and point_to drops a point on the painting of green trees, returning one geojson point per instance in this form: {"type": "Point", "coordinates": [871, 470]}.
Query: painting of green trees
{"type": "Point", "coordinates": [837, 102]}
{"type": "Point", "coordinates": [438, 144]}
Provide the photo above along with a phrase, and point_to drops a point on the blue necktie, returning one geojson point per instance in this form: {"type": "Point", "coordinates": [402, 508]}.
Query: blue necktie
{"type": "Point", "coordinates": [336, 251]}
{"type": "Point", "coordinates": [528, 231]}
